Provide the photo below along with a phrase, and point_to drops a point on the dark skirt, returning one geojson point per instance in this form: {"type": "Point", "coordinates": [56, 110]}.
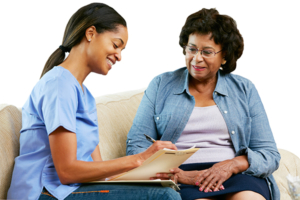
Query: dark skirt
{"type": "Point", "coordinates": [236, 183]}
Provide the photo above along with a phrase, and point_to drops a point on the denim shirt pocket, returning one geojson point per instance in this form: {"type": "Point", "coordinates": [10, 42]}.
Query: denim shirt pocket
{"type": "Point", "coordinates": [161, 122]}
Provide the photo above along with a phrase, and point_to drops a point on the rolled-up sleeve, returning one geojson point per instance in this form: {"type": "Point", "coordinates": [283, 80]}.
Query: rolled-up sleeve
{"type": "Point", "coordinates": [262, 153]}
{"type": "Point", "coordinates": [143, 122]}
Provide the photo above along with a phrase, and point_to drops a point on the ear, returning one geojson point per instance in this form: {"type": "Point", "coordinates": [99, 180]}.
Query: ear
{"type": "Point", "coordinates": [223, 61]}
{"type": "Point", "coordinates": [90, 33]}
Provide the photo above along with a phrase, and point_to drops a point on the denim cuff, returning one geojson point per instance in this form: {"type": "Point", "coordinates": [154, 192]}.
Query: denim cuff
{"type": "Point", "coordinates": [252, 170]}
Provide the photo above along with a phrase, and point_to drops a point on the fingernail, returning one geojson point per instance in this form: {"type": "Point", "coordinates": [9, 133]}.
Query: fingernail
{"type": "Point", "coordinates": [171, 170]}
{"type": "Point", "coordinates": [197, 183]}
{"type": "Point", "coordinates": [210, 190]}
{"type": "Point", "coordinates": [206, 190]}
{"type": "Point", "coordinates": [201, 189]}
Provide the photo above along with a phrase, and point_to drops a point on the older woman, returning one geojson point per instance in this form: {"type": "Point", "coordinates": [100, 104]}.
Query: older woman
{"type": "Point", "coordinates": [203, 104]}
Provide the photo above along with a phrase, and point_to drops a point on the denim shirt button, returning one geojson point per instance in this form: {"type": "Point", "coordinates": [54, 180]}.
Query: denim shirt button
{"type": "Point", "coordinates": [225, 111]}
{"type": "Point", "coordinates": [216, 93]}
{"type": "Point", "coordinates": [157, 118]}
{"type": "Point", "coordinates": [232, 132]}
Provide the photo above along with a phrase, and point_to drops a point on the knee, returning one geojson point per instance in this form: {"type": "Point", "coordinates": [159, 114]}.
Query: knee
{"type": "Point", "coordinates": [171, 194]}
{"type": "Point", "coordinates": [245, 195]}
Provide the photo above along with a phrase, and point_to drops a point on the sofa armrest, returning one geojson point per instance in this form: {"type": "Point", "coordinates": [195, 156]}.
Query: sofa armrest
{"type": "Point", "coordinates": [289, 164]}
{"type": "Point", "coordinates": [10, 126]}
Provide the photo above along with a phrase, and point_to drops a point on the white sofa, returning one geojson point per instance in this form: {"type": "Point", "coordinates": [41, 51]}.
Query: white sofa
{"type": "Point", "coordinates": [115, 115]}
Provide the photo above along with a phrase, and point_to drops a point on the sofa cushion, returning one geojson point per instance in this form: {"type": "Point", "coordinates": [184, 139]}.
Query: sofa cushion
{"type": "Point", "coordinates": [10, 126]}
{"type": "Point", "coordinates": [115, 116]}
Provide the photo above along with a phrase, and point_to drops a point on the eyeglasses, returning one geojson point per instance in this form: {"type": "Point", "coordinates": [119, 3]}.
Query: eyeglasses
{"type": "Point", "coordinates": [207, 53]}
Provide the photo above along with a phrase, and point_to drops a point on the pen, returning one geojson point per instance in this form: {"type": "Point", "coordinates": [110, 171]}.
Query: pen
{"type": "Point", "coordinates": [150, 139]}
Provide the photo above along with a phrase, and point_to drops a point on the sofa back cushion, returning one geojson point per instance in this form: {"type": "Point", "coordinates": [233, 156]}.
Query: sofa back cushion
{"type": "Point", "coordinates": [10, 126]}
{"type": "Point", "coordinates": [115, 116]}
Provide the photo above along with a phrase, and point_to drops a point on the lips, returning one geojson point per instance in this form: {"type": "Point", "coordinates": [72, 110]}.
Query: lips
{"type": "Point", "coordinates": [110, 62]}
{"type": "Point", "coordinates": [198, 68]}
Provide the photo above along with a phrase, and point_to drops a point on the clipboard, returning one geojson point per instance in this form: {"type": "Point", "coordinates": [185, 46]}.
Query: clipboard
{"type": "Point", "coordinates": [160, 162]}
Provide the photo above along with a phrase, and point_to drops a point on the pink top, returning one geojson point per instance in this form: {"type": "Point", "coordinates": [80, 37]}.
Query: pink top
{"type": "Point", "coordinates": [207, 130]}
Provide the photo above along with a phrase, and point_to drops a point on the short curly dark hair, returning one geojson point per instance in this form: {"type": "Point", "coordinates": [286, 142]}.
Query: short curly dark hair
{"type": "Point", "coordinates": [223, 30]}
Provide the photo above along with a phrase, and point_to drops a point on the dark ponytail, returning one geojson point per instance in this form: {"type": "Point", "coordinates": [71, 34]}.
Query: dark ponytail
{"type": "Point", "coordinates": [100, 15]}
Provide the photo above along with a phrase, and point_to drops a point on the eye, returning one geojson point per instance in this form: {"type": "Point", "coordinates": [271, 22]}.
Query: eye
{"type": "Point", "coordinates": [116, 46]}
{"type": "Point", "coordinates": [192, 49]}
{"type": "Point", "coordinates": [207, 52]}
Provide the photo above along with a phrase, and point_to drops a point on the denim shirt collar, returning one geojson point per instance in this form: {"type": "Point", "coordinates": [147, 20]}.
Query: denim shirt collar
{"type": "Point", "coordinates": [183, 84]}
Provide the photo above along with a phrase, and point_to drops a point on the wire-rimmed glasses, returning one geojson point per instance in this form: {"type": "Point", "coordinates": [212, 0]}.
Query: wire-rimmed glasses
{"type": "Point", "coordinates": [207, 53]}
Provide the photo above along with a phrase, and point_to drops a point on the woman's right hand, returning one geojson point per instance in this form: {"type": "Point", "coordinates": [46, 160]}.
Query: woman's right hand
{"type": "Point", "coordinates": [157, 145]}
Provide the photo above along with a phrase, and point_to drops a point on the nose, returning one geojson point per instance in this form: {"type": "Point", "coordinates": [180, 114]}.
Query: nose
{"type": "Point", "coordinates": [198, 57]}
{"type": "Point", "coordinates": [118, 56]}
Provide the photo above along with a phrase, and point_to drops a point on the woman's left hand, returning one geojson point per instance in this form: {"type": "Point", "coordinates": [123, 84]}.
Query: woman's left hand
{"type": "Point", "coordinates": [215, 176]}
{"type": "Point", "coordinates": [184, 177]}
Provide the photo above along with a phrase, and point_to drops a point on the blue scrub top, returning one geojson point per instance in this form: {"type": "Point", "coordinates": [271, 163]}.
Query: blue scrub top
{"type": "Point", "coordinates": [56, 100]}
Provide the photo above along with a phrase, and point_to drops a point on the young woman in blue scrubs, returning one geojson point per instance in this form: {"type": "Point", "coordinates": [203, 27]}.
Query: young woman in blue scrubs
{"type": "Point", "coordinates": [59, 137]}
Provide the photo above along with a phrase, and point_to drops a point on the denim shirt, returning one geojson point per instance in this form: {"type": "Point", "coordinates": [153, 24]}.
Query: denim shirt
{"type": "Point", "coordinates": [167, 106]}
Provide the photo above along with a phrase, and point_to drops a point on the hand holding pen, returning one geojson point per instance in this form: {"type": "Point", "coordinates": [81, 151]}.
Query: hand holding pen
{"type": "Point", "coordinates": [162, 176]}
{"type": "Point", "coordinates": [157, 145]}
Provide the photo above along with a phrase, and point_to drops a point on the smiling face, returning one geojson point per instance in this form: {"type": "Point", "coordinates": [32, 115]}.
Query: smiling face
{"type": "Point", "coordinates": [199, 67]}
{"type": "Point", "coordinates": [105, 49]}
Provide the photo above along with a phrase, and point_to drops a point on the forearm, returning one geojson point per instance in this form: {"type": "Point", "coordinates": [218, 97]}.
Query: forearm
{"type": "Point", "coordinates": [74, 171]}
{"type": "Point", "coordinates": [82, 171]}
{"type": "Point", "coordinates": [240, 164]}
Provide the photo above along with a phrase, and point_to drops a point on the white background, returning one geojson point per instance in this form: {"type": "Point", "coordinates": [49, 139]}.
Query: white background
{"type": "Point", "coordinates": [32, 30]}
